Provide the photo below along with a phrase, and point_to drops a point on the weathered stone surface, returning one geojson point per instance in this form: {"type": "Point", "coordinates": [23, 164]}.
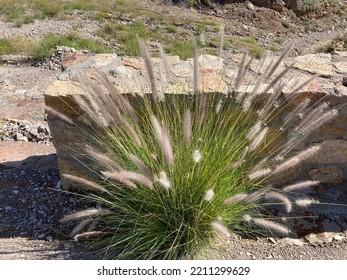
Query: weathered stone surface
{"type": "Point", "coordinates": [341, 67]}
{"type": "Point", "coordinates": [332, 151]}
{"type": "Point", "coordinates": [331, 131]}
{"type": "Point", "coordinates": [315, 64]}
{"type": "Point", "coordinates": [320, 238]}
{"type": "Point", "coordinates": [327, 174]}
{"type": "Point", "coordinates": [211, 82]}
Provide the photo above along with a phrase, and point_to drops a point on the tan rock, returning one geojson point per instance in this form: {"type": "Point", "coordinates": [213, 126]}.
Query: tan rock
{"type": "Point", "coordinates": [73, 59]}
{"type": "Point", "coordinates": [102, 60]}
{"type": "Point", "coordinates": [210, 62]}
{"type": "Point", "coordinates": [320, 238]}
{"type": "Point", "coordinates": [315, 64]}
{"type": "Point", "coordinates": [63, 88]}
{"type": "Point", "coordinates": [183, 70]}
{"type": "Point", "coordinates": [328, 174]}
{"type": "Point", "coordinates": [210, 81]}
{"type": "Point", "coordinates": [136, 63]}
{"type": "Point", "coordinates": [179, 87]}
{"type": "Point", "coordinates": [341, 67]}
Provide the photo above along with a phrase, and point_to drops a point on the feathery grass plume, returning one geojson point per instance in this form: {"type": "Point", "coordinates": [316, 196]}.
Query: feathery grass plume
{"type": "Point", "coordinates": [217, 226]}
{"type": "Point", "coordinates": [102, 159]}
{"type": "Point", "coordinates": [87, 184]}
{"type": "Point", "coordinates": [221, 42]}
{"type": "Point", "coordinates": [209, 195]}
{"type": "Point", "coordinates": [260, 174]}
{"type": "Point", "coordinates": [140, 165]}
{"type": "Point", "coordinates": [197, 156]}
{"type": "Point", "coordinates": [258, 139]}
{"type": "Point", "coordinates": [187, 127]}
{"type": "Point", "coordinates": [305, 202]}
{"type": "Point", "coordinates": [150, 70]}
{"type": "Point", "coordinates": [87, 213]}
{"type": "Point", "coordinates": [270, 225]}
{"type": "Point", "coordinates": [164, 140]}
{"type": "Point", "coordinates": [236, 164]}
{"type": "Point", "coordinates": [166, 63]}
{"type": "Point", "coordinates": [328, 116]}
{"type": "Point", "coordinates": [243, 68]}
{"type": "Point", "coordinates": [196, 68]}
{"type": "Point", "coordinates": [93, 116]}
{"type": "Point", "coordinates": [313, 115]}
{"type": "Point", "coordinates": [272, 70]}
{"type": "Point", "coordinates": [81, 226]}
{"type": "Point", "coordinates": [254, 130]}
{"type": "Point", "coordinates": [256, 195]}
{"type": "Point", "coordinates": [295, 160]}
{"type": "Point", "coordinates": [115, 99]}
{"type": "Point", "coordinates": [164, 180]}
{"type": "Point", "coordinates": [59, 115]}
{"type": "Point", "coordinates": [300, 186]}
{"type": "Point", "coordinates": [278, 196]}
{"type": "Point", "coordinates": [240, 72]}
{"type": "Point", "coordinates": [132, 131]}
{"type": "Point", "coordinates": [124, 176]}
{"type": "Point", "coordinates": [119, 178]}
{"type": "Point", "coordinates": [235, 198]}
{"type": "Point", "coordinates": [88, 235]}
{"type": "Point", "coordinates": [167, 147]}
{"type": "Point", "coordinates": [298, 111]}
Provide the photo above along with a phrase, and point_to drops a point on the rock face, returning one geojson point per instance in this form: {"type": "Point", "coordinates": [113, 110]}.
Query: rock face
{"type": "Point", "coordinates": [176, 77]}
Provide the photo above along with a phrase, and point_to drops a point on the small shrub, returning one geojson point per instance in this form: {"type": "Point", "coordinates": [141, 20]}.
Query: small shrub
{"type": "Point", "coordinates": [286, 24]}
{"type": "Point", "coordinates": [44, 48]}
{"type": "Point", "coordinates": [171, 171]}
{"type": "Point", "coordinates": [171, 29]}
{"type": "Point", "coordinates": [125, 35]}
{"type": "Point", "coordinates": [5, 46]}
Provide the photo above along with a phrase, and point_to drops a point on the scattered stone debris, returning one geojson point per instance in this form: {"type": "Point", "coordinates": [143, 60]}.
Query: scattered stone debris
{"type": "Point", "coordinates": [55, 62]}
{"type": "Point", "coordinates": [22, 130]}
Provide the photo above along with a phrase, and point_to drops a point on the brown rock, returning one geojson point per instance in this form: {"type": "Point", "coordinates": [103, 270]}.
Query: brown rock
{"type": "Point", "coordinates": [73, 59]}
{"type": "Point", "coordinates": [278, 5]}
{"type": "Point", "coordinates": [328, 174]}
{"type": "Point", "coordinates": [134, 63]}
{"type": "Point", "coordinates": [332, 151]}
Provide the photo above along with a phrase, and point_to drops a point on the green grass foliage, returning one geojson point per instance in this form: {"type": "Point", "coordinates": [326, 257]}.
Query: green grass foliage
{"type": "Point", "coordinates": [172, 171]}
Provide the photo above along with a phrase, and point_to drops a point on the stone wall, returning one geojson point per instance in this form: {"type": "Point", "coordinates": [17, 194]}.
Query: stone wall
{"type": "Point", "coordinates": [129, 76]}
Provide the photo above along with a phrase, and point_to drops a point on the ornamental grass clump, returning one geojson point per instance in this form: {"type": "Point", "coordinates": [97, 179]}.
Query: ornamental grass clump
{"type": "Point", "coordinates": [169, 172]}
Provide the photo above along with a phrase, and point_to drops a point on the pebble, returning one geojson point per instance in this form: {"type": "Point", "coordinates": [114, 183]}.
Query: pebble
{"type": "Point", "coordinates": [41, 236]}
{"type": "Point", "coordinates": [338, 238]}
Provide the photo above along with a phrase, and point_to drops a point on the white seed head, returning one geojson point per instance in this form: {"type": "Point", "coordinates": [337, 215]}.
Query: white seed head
{"type": "Point", "coordinates": [301, 185]}
{"type": "Point", "coordinates": [220, 228]}
{"type": "Point", "coordinates": [305, 202]}
{"type": "Point", "coordinates": [270, 225]}
{"type": "Point", "coordinates": [164, 180]}
{"type": "Point", "coordinates": [197, 156]}
{"type": "Point", "coordinates": [209, 195]}
{"type": "Point", "coordinates": [235, 198]}
{"type": "Point", "coordinates": [259, 174]}
{"type": "Point", "coordinates": [247, 218]}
